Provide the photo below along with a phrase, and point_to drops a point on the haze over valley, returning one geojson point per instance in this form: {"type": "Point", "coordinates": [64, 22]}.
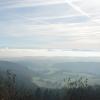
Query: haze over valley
{"type": "Point", "coordinates": [51, 71]}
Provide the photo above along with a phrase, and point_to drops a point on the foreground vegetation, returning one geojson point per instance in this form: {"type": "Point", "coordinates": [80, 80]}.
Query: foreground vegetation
{"type": "Point", "coordinates": [73, 90]}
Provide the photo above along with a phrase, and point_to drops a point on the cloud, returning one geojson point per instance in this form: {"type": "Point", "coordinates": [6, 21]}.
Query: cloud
{"type": "Point", "coordinates": [45, 52]}
{"type": "Point", "coordinates": [50, 24]}
{"type": "Point", "coordinates": [27, 3]}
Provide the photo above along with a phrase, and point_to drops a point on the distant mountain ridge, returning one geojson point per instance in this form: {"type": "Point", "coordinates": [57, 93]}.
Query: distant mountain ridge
{"type": "Point", "coordinates": [23, 74]}
{"type": "Point", "coordinates": [48, 70]}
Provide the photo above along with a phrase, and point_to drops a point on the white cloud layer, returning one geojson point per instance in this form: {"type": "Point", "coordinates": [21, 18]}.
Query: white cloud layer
{"type": "Point", "coordinates": [45, 52]}
{"type": "Point", "coordinates": [71, 24]}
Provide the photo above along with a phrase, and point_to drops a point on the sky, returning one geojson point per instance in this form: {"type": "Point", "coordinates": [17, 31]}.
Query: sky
{"type": "Point", "coordinates": [10, 53]}
{"type": "Point", "coordinates": [50, 24]}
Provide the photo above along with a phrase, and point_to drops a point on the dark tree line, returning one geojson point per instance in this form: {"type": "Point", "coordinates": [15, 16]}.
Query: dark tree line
{"type": "Point", "coordinates": [73, 90]}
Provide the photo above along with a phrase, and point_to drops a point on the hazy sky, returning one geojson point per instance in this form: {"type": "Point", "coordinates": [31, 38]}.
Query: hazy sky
{"type": "Point", "coordinates": [48, 53]}
{"type": "Point", "coordinates": [63, 24]}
